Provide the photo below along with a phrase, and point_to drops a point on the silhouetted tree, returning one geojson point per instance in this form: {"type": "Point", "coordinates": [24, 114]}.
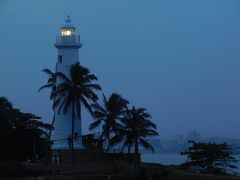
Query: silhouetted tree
{"type": "Point", "coordinates": [135, 127]}
{"type": "Point", "coordinates": [19, 131]}
{"type": "Point", "coordinates": [210, 158]}
{"type": "Point", "coordinates": [5, 125]}
{"type": "Point", "coordinates": [108, 115]}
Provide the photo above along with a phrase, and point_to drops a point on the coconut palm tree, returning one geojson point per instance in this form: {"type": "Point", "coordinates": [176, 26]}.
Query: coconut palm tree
{"type": "Point", "coordinates": [51, 83]}
{"type": "Point", "coordinates": [136, 126]}
{"type": "Point", "coordinates": [74, 92]}
{"type": "Point", "coordinates": [108, 115]}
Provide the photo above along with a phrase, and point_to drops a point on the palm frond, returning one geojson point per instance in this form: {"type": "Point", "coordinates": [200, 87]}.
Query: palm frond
{"type": "Point", "coordinates": [86, 105]}
{"type": "Point", "coordinates": [50, 85]}
{"type": "Point", "coordinates": [146, 144]}
{"type": "Point", "coordinates": [63, 77]}
{"type": "Point", "coordinates": [93, 86]}
{"type": "Point", "coordinates": [95, 124]}
{"type": "Point", "coordinates": [48, 71]}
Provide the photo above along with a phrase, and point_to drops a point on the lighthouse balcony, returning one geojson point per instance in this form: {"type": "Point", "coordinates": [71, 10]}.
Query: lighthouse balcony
{"type": "Point", "coordinates": [71, 41]}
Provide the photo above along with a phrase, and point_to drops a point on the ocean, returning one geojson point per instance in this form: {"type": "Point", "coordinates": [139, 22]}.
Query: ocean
{"type": "Point", "coordinates": [173, 159]}
{"type": "Point", "coordinates": [165, 159]}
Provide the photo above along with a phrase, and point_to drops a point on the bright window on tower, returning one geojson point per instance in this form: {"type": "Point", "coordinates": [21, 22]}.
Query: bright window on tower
{"type": "Point", "coordinates": [67, 31]}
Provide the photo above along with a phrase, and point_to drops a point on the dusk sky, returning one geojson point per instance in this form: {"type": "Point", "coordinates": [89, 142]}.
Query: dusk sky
{"type": "Point", "coordinates": [180, 59]}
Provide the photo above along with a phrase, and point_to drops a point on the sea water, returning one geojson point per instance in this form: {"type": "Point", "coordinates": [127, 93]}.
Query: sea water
{"type": "Point", "coordinates": [173, 159]}
{"type": "Point", "coordinates": [165, 159]}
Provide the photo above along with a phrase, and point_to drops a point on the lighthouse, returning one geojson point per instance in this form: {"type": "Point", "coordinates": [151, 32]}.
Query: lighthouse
{"type": "Point", "coordinates": [67, 44]}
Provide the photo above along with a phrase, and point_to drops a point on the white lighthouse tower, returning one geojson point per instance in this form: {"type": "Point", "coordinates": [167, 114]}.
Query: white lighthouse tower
{"type": "Point", "coordinates": [67, 44]}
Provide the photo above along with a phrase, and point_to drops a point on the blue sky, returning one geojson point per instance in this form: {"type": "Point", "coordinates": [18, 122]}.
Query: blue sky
{"type": "Point", "coordinates": [179, 59]}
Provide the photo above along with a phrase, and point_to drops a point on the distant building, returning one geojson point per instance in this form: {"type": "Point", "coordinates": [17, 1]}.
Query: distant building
{"type": "Point", "coordinates": [194, 136]}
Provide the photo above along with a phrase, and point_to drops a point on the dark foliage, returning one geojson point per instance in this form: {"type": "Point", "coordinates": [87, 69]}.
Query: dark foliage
{"type": "Point", "coordinates": [135, 127]}
{"type": "Point", "coordinates": [210, 158]}
{"type": "Point", "coordinates": [120, 125]}
{"type": "Point", "coordinates": [108, 115]}
{"type": "Point", "coordinates": [20, 132]}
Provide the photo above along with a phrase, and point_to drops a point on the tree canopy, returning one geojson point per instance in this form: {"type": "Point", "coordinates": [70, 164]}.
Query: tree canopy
{"type": "Point", "coordinates": [120, 125]}
{"type": "Point", "coordinates": [108, 115]}
{"type": "Point", "coordinates": [20, 132]}
{"type": "Point", "coordinates": [210, 158]}
{"type": "Point", "coordinates": [136, 126]}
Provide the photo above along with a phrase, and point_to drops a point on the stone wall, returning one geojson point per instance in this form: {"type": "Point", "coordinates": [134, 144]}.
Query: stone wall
{"type": "Point", "coordinates": [66, 156]}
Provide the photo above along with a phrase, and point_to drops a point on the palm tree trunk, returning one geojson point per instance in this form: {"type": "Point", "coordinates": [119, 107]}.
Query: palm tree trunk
{"type": "Point", "coordinates": [129, 148]}
{"type": "Point", "coordinates": [109, 146]}
{"type": "Point", "coordinates": [73, 124]}
{"type": "Point", "coordinates": [49, 139]}
{"type": "Point", "coordinates": [135, 158]}
{"type": "Point", "coordinates": [50, 131]}
{"type": "Point", "coordinates": [80, 135]}
{"type": "Point", "coordinates": [136, 145]}
{"type": "Point", "coordinates": [80, 119]}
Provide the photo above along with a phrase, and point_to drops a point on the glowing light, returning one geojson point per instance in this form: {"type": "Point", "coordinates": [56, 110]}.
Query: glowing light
{"type": "Point", "coordinates": [67, 32]}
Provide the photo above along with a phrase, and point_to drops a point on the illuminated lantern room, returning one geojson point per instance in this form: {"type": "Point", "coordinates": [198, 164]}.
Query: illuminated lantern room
{"type": "Point", "coordinates": [67, 31]}
{"type": "Point", "coordinates": [68, 35]}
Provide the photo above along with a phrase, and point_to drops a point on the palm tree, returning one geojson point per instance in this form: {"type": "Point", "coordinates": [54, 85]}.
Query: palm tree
{"type": "Point", "coordinates": [75, 91]}
{"type": "Point", "coordinates": [108, 115]}
{"type": "Point", "coordinates": [135, 128]}
{"type": "Point", "coordinates": [51, 83]}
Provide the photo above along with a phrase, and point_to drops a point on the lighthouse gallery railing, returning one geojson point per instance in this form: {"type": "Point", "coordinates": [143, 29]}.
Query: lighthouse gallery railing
{"type": "Point", "coordinates": [68, 39]}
